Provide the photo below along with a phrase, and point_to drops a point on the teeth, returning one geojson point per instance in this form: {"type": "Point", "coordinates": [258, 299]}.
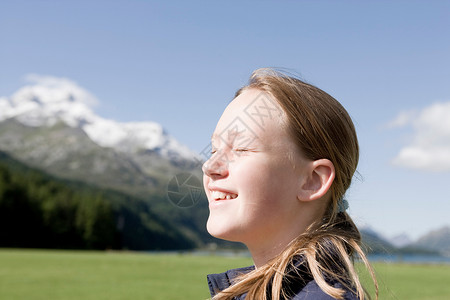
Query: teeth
{"type": "Point", "coordinates": [222, 196]}
{"type": "Point", "coordinates": [217, 195]}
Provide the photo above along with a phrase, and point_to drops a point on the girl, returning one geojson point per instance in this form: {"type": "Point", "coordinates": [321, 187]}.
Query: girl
{"type": "Point", "coordinates": [284, 153]}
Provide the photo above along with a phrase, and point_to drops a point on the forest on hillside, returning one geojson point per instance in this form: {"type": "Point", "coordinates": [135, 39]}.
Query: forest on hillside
{"type": "Point", "coordinates": [41, 211]}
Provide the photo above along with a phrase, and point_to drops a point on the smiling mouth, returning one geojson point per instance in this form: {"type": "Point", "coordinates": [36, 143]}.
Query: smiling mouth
{"type": "Point", "coordinates": [216, 195]}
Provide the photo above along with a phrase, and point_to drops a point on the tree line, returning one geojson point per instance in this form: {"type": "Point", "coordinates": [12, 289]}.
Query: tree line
{"type": "Point", "coordinates": [40, 211]}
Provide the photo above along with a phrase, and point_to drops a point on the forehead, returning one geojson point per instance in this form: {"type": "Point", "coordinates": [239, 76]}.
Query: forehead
{"type": "Point", "coordinates": [252, 114]}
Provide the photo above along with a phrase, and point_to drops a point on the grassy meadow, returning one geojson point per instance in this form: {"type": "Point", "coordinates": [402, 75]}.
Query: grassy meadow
{"type": "Point", "coordinates": [52, 274]}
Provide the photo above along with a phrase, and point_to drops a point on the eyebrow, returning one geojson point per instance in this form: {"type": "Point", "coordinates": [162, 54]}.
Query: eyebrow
{"type": "Point", "coordinates": [233, 135]}
{"type": "Point", "coordinates": [230, 135]}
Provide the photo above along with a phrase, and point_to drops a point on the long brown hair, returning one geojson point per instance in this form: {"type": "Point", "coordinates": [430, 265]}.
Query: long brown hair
{"type": "Point", "coordinates": [321, 128]}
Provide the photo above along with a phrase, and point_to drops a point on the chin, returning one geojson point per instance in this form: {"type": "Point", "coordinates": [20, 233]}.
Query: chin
{"type": "Point", "coordinates": [221, 231]}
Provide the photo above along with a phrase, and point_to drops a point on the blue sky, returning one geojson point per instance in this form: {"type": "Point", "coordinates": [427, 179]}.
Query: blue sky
{"type": "Point", "coordinates": [179, 63]}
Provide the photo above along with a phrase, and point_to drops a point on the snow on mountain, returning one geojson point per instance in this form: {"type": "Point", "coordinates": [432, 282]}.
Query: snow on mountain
{"type": "Point", "coordinates": [48, 100]}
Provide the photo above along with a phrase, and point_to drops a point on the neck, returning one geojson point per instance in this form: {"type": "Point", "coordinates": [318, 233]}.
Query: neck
{"type": "Point", "coordinates": [263, 256]}
{"type": "Point", "coordinates": [265, 249]}
{"type": "Point", "coordinates": [268, 246]}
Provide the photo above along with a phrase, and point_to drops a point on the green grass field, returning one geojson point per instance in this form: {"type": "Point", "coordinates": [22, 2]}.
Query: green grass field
{"type": "Point", "coordinates": [47, 274]}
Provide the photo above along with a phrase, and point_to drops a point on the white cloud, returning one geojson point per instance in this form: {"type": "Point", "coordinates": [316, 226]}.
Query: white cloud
{"type": "Point", "coordinates": [403, 119]}
{"type": "Point", "coordinates": [430, 147]}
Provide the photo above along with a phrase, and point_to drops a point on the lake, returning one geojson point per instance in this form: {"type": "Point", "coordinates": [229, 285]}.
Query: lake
{"type": "Point", "coordinates": [409, 258]}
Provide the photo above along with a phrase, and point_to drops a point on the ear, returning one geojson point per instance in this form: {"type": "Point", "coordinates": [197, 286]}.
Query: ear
{"type": "Point", "coordinates": [318, 180]}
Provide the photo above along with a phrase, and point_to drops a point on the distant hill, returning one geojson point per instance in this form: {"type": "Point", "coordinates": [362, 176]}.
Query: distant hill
{"type": "Point", "coordinates": [437, 240]}
{"type": "Point", "coordinates": [374, 242]}
{"type": "Point", "coordinates": [401, 240]}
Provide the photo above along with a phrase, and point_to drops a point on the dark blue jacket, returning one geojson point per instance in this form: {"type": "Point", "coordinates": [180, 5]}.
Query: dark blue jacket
{"type": "Point", "coordinates": [304, 288]}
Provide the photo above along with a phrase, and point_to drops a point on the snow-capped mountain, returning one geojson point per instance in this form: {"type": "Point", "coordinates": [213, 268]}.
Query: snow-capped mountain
{"type": "Point", "coordinates": [49, 100]}
{"type": "Point", "coordinates": [50, 124]}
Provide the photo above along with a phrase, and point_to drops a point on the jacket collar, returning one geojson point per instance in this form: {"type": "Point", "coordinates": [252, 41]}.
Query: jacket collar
{"type": "Point", "coordinates": [221, 281]}
{"type": "Point", "coordinates": [298, 282]}
{"type": "Point", "coordinates": [296, 278]}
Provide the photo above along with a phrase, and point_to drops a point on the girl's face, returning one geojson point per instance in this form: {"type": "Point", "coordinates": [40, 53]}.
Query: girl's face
{"type": "Point", "coordinates": [250, 182]}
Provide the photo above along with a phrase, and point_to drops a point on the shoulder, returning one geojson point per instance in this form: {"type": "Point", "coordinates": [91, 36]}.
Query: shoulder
{"type": "Point", "coordinates": [312, 291]}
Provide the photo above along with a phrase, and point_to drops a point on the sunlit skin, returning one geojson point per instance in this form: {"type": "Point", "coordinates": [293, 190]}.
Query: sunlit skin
{"type": "Point", "coordinates": [268, 192]}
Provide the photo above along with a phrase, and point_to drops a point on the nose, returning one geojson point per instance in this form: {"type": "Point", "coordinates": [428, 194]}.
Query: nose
{"type": "Point", "coordinates": [216, 166]}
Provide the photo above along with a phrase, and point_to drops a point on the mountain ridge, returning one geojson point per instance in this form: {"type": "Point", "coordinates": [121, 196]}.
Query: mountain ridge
{"type": "Point", "coordinates": [434, 242]}
{"type": "Point", "coordinates": [49, 100]}
{"type": "Point", "coordinates": [50, 125]}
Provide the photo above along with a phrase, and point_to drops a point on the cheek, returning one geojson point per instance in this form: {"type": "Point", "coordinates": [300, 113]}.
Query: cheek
{"type": "Point", "coordinates": [265, 173]}
{"type": "Point", "coordinates": [266, 188]}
